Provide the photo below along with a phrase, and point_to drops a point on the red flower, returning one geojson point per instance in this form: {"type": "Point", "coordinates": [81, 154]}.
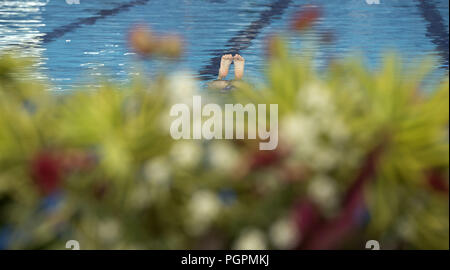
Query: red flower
{"type": "Point", "coordinates": [145, 43]}
{"type": "Point", "coordinates": [438, 182]}
{"type": "Point", "coordinates": [47, 171]}
{"type": "Point", "coordinates": [329, 234]}
{"type": "Point", "coordinates": [142, 40]}
{"type": "Point", "coordinates": [307, 216]}
{"type": "Point", "coordinates": [263, 159]}
{"type": "Point", "coordinates": [305, 18]}
{"type": "Point", "coordinates": [49, 167]}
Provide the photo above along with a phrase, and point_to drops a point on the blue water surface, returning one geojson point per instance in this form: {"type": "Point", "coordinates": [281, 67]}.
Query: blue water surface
{"type": "Point", "coordinates": [81, 43]}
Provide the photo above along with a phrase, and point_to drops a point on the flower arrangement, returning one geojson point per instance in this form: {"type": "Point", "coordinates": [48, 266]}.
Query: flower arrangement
{"type": "Point", "coordinates": [362, 155]}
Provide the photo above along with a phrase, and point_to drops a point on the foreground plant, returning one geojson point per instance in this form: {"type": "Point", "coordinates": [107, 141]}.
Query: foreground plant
{"type": "Point", "coordinates": [362, 155]}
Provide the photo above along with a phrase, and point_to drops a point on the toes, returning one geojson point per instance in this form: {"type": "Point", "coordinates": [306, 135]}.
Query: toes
{"type": "Point", "coordinates": [227, 57]}
{"type": "Point", "coordinates": [237, 57]}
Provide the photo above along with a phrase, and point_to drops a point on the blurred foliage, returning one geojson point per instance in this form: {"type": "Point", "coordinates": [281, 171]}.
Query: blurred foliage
{"type": "Point", "coordinates": [362, 155]}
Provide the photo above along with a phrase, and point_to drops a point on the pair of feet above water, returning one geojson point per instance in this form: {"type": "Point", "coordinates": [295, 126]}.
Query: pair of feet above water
{"type": "Point", "coordinates": [225, 62]}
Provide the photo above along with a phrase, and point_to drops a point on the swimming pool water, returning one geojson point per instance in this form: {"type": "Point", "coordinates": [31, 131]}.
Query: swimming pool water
{"type": "Point", "coordinates": [88, 40]}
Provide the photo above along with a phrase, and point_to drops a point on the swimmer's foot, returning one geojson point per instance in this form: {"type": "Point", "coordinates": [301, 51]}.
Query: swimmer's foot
{"type": "Point", "coordinates": [239, 63]}
{"type": "Point", "coordinates": [225, 63]}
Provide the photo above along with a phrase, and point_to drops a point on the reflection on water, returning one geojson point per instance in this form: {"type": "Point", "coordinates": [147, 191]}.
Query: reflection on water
{"type": "Point", "coordinates": [89, 39]}
{"type": "Point", "coordinates": [19, 25]}
{"type": "Point", "coordinates": [19, 29]}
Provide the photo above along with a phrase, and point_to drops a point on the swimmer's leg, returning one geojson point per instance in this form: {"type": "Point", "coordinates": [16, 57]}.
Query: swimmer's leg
{"type": "Point", "coordinates": [225, 63]}
{"type": "Point", "coordinates": [239, 63]}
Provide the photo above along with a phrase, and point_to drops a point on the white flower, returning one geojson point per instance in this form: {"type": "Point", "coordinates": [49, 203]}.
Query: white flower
{"type": "Point", "coordinates": [182, 87]}
{"type": "Point", "coordinates": [157, 171]}
{"type": "Point", "coordinates": [316, 97]}
{"type": "Point", "coordinates": [223, 156]}
{"type": "Point", "coordinates": [290, 129]}
{"type": "Point", "coordinates": [251, 239]}
{"type": "Point", "coordinates": [284, 234]}
{"type": "Point", "coordinates": [186, 154]}
{"type": "Point", "coordinates": [298, 128]}
{"type": "Point", "coordinates": [301, 132]}
{"type": "Point", "coordinates": [108, 230]}
{"type": "Point", "coordinates": [203, 207]}
{"type": "Point", "coordinates": [323, 191]}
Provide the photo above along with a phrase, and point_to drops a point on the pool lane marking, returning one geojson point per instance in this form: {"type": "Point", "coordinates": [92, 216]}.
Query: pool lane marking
{"type": "Point", "coordinates": [101, 14]}
{"type": "Point", "coordinates": [436, 29]}
{"type": "Point", "coordinates": [243, 39]}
